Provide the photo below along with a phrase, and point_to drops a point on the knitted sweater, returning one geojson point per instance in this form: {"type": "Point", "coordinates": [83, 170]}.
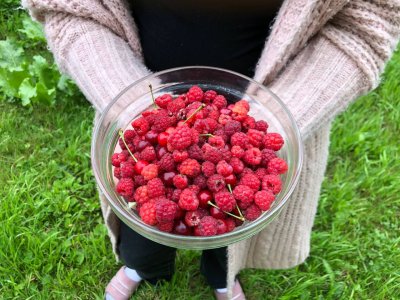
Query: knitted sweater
{"type": "Point", "coordinates": [320, 56]}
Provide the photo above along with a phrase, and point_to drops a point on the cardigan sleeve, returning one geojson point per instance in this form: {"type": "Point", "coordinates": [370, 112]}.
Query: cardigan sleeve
{"type": "Point", "coordinates": [97, 57]}
{"type": "Point", "coordinates": [340, 63]}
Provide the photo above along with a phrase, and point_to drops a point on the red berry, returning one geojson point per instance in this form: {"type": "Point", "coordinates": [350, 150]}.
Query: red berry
{"type": "Point", "coordinates": [141, 195]}
{"type": "Point", "coordinates": [220, 101]}
{"type": "Point", "coordinates": [140, 165]}
{"type": "Point", "coordinates": [141, 126]}
{"type": "Point", "coordinates": [244, 195]}
{"type": "Point", "coordinates": [151, 136]}
{"type": "Point", "coordinates": [208, 226]}
{"type": "Point", "coordinates": [165, 210]}
{"type": "Point", "coordinates": [252, 212]}
{"type": "Point", "coordinates": [204, 196]}
{"type": "Point", "coordinates": [115, 160]}
{"type": "Point", "coordinates": [176, 194]}
{"type": "Point", "coordinates": [212, 154]}
{"type": "Point", "coordinates": [249, 123]}
{"type": "Point", "coordinates": [195, 152]}
{"type": "Point", "coordinates": [264, 199]}
{"type": "Point", "coordinates": [117, 173]}
{"type": "Point", "coordinates": [155, 188]}
{"type": "Point", "coordinates": [200, 181]}
{"type": "Point", "coordinates": [221, 227]}
{"type": "Point", "coordinates": [231, 180]}
{"type": "Point", "coordinates": [162, 138]}
{"type": "Point", "coordinates": [125, 187]}
{"type": "Point", "coordinates": [237, 151]}
{"type": "Point", "coordinates": [239, 139]}
{"type": "Point", "coordinates": [252, 156]}
{"type": "Point", "coordinates": [163, 100]}
{"type": "Point", "coordinates": [237, 165]}
{"type": "Point", "coordinates": [166, 227]}
{"type": "Point", "coordinates": [150, 171]}
{"type": "Point", "coordinates": [167, 178]}
{"type": "Point", "coordinates": [139, 180]}
{"type": "Point", "coordinates": [161, 151]}
{"type": "Point", "coordinates": [277, 166]}
{"type": "Point", "coordinates": [209, 96]}
{"type": "Point", "coordinates": [192, 218]}
{"type": "Point", "coordinates": [216, 141]}
{"type": "Point", "coordinates": [208, 168]}
{"type": "Point", "coordinates": [181, 138]}
{"type": "Point", "coordinates": [255, 137]}
{"type": "Point", "coordinates": [262, 126]}
{"type": "Point", "coordinates": [127, 169]}
{"type": "Point", "coordinates": [142, 144]}
{"type": "Point", "coordinates": [190, 167]}
{"type": "Point", "coordinates": [148, 154]}
{"type": "Point", "coordinates": [230, 224]}
{"type": "Point", "coordinates": [180, 181]}
{"type": "Point", "coordinates": [188, 200]}
{"type": "Point", "coordinates": [217, 213]}
{"type": "Point", "coordinates": [225, 201]}
{"type": "Point", "coordinates": [147, 213]}
{"type": "Point", "coordinates": [216, 183]}
{"type": "Point", "coordinates": [272, 183]}
{"type": "Point", "coordinates": [251, 181]}
{"type": "Point", "coordinates": [195, 93]}
{"type": "Point", "coordinates": [176, 105]}
{"type": "Point", "coordinates": [129, 135]}
{"type": "Point", "coordinates": [167, 163]}
{"type": "Point", "coordinates": [266, 156]}
{"type": "Point", "coordinates": [224, 169]}
{"type": "Point", "coordinates": [273, 141]}
{"type": "Point", "coordinates": [260, 173]}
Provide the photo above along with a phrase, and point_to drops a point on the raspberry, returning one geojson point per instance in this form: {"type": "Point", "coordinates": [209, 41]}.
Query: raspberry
{"type": "Point", "coordinates": [195, 152]}
{"type": "Point", "coordinates": [272, 183]}
{"type": "Point", "coordinates": [252, 156]}
{"type": "Point", "coordinates": [169, 191]}
{"type": "Point", "coordinates": [239, 111]}
{"type": "Point", "coordinates": [163, 100]}
{"type": "Point", "coordinates": [192, 218]}
{"type": "Point", "coordinates": [166, 227]}
{"type": "Point", "coordinates": [237, 165]}
{"type": "Point", "coordinates": [208, 168]}
{"type": "Point", "coordinates": [224, 169]}
{"type": "Point", "coordinates": [180, 181]}
{"type": "Point", "coordinates": [221, 133]}
{"type": "Point", "coordinates": [166, 163]}
{"type": "Point", "coordinates": [127, 170]}
{"type": "Point", "coordinates": [260, 173]}
{"type": "Point", "coordinates": [213, 112]}
{"type": "Point", "coordinates": [141, 126]}
{"type": "Point", "coordinates": [226, 153]}
{"type": "Point", "coordinates": [162, 122]}
{"type": "Point", "coordinates": [155, 188]}
{"type": "Point", "coordinates": [266, 156]}
{"type": "Point", "coordinates": [243, 193]}
{"type": "Point", "coordinates": [221, 226]}
{"type": "Point", "coordinates": [117, 173]}
{"type": "Point", "coordinates": [176, 194]}
{"type": "Point", "coordinates": [165, 210]}
{"type": "Point", "coordinates": [239, 139]}
{"type": "Point", "coordinates": [161, 151]}
{"type": "Point", "coordinates": [148, 213]}
{"type": "Point", "coordinates": [195, 136]}
{"type": "Point", "coordinates": [262, 126]}
{"type": "Point", "coordinates": [249, 123]}
{"type": "Point", "coordinates": [150, 171]}
{"type": "Point", "coordinates": [200, 181]}
{"type": "Point", "coordinates": [237, 151]}
{"type": "Point", "coordinates": [225, 201]}
{"type": "Point", "coordinates": [125, 187]}
{"type": "Point", "coordinates": [115, 160]}
{"type": "Point", "coordinates": [139, 165]}
{"type": "Point", "coordinates": [263, 199]}
{"type": "Point", "coordinates": [230, 224]}
{"type": "Point", "coordinates": [180, 156]}
{"type": "Point", "coordinates": [273, 141]}
{"type": "Point", "coordinates": [216, 183]}
{"type": "Point", "coordinates": [123, 156]}
{"type": "Point", "coordinates": [195, 93]}
{"type": "Point", "coordinates": [139, 180]}
{"type": "Point", "coordinates": [216, 141]}
{"type": "Point", "coordinates": [243, 103]}
{"type": "Point", "coordinates": [277, 166]}
{"type": "Point", "coordinates": [207, 226]}
{"type": "Point", "coordinates": [220, 101]}
{"type": "Point", "coordinates": [175, 106]}
{"type": "Point", "coordinates": [181, 138]}
{"type": "Point", "coordinates": [212, 154]}
{"type": "Point", "coordinates": [190, 167]}
{"type": "Point", "coordinates": [194, 188]}
{"type": "Point", "coordinates": [223, 119]}
{"type": "Point", "coordinates": [255, 137]}
{"type": "Point", "coordinates": [252, 212]}
{"type": "Point", "coordinates": [251, 181]}
{"type": "Point", "coordinates": [211, 124]}
{"type": "Point", "coordinates": [188, 200]}
{"type": "Point", "coordinates": [129, 135]}
{"type": "Point", "coordinates": [209, 96]}
{"type": "Point", "coordinates": [148, 154]}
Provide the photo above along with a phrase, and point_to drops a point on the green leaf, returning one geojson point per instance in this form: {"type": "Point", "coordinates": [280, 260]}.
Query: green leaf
{"type": "Point", "coordinates": [33, 30]}
{"type": "Point", "coordinates": [45, 73]}
{"type": "Point", "coordinates": [44, 95]}
{"type": "Point", "coordinates": [11, 55]}
{"type": "Point", "coordinates": [10, 81]}
{"type": "Point", "coordinates": [27, 91]}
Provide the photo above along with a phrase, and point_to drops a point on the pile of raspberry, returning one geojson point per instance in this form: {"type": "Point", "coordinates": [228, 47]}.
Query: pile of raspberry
{"type": "Point", "coordinates": [197, 165]}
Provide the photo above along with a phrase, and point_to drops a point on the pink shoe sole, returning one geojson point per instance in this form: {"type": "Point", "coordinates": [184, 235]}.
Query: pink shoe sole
{"type": "Point", "coordinates": [121, 287]}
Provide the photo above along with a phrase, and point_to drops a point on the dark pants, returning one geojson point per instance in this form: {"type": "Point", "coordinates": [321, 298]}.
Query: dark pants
{"type": "Point", "coordinates": [154, 262]}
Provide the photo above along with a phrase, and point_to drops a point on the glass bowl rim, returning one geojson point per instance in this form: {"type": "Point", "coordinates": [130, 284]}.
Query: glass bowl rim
{"type": "Point", "coordinates": [249, 227]}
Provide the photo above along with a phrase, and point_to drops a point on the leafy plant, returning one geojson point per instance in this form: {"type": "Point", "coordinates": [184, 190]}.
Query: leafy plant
{"type": "Point", "coordinates": [30, 79]}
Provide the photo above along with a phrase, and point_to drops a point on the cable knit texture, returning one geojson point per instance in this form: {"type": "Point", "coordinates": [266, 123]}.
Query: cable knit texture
{"type": "Point", "coordinates": [319, 57]}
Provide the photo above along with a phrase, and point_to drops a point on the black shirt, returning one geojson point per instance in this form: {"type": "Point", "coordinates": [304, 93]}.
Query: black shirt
{"type": "Point", "coordinates": [224, 34]}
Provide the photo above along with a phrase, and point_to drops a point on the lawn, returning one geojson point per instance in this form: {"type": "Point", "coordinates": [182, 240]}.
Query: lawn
{"type": "Point", "coordinates": [53, 243]}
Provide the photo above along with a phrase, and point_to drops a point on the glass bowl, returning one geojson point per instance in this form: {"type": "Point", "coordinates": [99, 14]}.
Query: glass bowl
{"type": "Point", "coordinates": [132, 101]}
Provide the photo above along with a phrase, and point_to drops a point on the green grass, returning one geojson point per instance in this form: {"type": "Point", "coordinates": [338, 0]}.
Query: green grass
{"type": "Point", "coordinates": [53, 243]}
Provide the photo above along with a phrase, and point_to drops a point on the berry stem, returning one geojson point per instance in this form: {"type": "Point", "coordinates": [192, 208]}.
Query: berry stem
{"type": "Point", "coordinates": [240, 212]}
{"type": "Point", "coordinates": [121, 134]}
{"type": "Point", "coordinates": [232, 215]}
{"type": "Point", "coordinates": [132, 205]}
{"type": "Point", "coordinates": [195, 112]}
{"type": "Point", "coordinates": [230, 189]}
{"type": "Point", "coordinates": [207, 135]}
{"type": "Point", "coordinates": [152, 96]}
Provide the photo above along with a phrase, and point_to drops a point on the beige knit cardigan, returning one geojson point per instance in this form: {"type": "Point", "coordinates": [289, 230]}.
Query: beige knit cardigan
{"type": "Point", "coordinates": [320, 56]}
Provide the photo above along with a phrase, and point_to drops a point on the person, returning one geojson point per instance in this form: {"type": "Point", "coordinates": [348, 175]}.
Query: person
{"type": "Point", "coordinates": [318, 57]}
